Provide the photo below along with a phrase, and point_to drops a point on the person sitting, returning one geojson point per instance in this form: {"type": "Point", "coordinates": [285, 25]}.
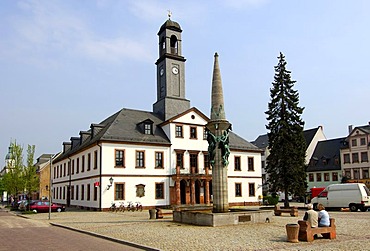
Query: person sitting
{"type": "Point", "coordinates": [324, 220]}
{"type": "Point", "coordinates": [311, 216]}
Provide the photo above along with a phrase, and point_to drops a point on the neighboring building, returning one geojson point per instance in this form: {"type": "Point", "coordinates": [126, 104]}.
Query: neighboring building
{"type": "Point", "coordinates": [324, 167]}
{"type": "Point", "coordinates": [159, 158]}
{"type": "Point", "coordinates": [355, 154]}
{"type": "Point", "coordinates": [312, 137]}
{"type": "Point", "coordinates": [8, 163]}
{"type": "Point", "coordinates": [43, 171]}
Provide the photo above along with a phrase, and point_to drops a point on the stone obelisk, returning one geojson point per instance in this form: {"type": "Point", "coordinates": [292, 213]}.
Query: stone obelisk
{"type": "Point", "coordinates": [218, 143]}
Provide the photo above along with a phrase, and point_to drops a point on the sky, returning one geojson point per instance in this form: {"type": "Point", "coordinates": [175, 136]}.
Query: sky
{"type": "Point", "coordinates": [65, 64]}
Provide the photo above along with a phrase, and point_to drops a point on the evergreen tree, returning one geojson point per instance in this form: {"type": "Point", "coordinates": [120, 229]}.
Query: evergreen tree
{"type": "Point", "coordinates": [286, 163]}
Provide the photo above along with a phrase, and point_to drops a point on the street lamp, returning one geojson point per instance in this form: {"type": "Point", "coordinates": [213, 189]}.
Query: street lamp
{"type": "Point", "coordinates": [111, 183]}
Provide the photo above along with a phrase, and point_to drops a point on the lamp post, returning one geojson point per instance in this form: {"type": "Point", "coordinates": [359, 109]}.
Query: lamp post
{"type": "Point", "coordinates": [110, 183]}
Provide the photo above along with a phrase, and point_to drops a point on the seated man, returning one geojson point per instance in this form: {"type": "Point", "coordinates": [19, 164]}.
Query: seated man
{"type": "Point", "coordinates": [311, 216]}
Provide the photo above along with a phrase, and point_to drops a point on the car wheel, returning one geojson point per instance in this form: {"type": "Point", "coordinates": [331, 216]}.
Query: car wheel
{"type": "Point", "coordinates": [353, 208]}
{"type": "Point", "coordinates": [363, 209]}
{"type": "Point", "coordinates": [35, 211]}
{"type": "Point", "coordinates": [59, 210]}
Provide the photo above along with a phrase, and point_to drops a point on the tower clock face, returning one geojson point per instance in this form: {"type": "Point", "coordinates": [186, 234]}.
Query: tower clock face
{"type": "Point", "coordinates": [175, 70]}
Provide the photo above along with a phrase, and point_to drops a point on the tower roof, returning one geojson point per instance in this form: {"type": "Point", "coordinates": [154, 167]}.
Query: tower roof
{"type": "Point", "coordinates": [169, 24]}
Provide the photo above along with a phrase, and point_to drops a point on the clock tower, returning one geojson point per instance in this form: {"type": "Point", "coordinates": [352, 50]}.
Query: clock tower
{"type": "Point", "coordinates": [170, 72]}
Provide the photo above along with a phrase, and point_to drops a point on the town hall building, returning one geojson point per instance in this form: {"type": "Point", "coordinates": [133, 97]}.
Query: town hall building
{"type": "Point", "coordinates": [158, 158]}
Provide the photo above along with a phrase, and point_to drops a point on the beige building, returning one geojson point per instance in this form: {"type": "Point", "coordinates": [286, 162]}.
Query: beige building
{"type": "Point", "coordinates": [355, 155]}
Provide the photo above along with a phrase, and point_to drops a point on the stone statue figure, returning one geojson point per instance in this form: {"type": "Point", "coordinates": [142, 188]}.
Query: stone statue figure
{"type": "Point", "coordinates": [225, 149]}
{"type": "Point", "coordinates": [212, 141]}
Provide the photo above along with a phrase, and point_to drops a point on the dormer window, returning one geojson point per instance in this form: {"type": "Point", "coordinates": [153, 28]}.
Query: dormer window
{"type": "Point", "coordinates": [148, 128]}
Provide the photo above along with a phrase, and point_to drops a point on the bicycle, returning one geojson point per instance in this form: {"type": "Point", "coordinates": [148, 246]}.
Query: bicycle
{"type": "Point", "coordinates": [121, 207]}
{"type": "Point", "coordinates": [139, 207]}
{"type": "Point", "coordinates": [130, 206]}
{"type": "Point", "coordinates": [113, 207]}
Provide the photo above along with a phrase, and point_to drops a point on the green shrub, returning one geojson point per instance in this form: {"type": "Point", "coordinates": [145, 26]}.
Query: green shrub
{"type": "Point", "coordinates": [271, 200]}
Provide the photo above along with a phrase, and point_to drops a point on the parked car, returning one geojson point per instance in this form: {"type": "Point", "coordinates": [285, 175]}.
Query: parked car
{"type": "Point", "coordinates": [43, 207]}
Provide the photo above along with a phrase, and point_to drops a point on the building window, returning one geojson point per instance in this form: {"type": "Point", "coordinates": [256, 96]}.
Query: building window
{"type": "Point", "coordinates": [252, 191]}
{"type": "Point", "coordinates": [205, 133]}
{"type": "Point", "coordinates": [64, 169]}
{"type": "Point", "coordinates": [180, 160]}
{"type": "Point", "coordinates": [334, 176]}
{"type": "Point", "coordinates": [326, 177]}
{"type": "Point", "coordinates": [95, 193]}
{"type": "Point", "coordinates": [83, 164]}
{"type": "Point", "coordinates": [88, 188]}
{"type": "Point", "coordinates": [237, 166]}
{"type": "Point", "coordinates": [77, 165]}
{"type": "Point", "coordinates": [73, 166]}
{"type": "Point", "coordinates": [159, 190]}
{"type": "Point", "coordinates": [88, 162]}
{"type": "Point", "coordinates": [318, 177]}
{"type": "Point", "coordinates": [120, 158]}
{"type": "Point", "coordinates": [206, 160]}
{"type": "Point", "coordinates": [64, 193]}
{"type": "Point", "coordinates": [238, 189]}
{"type": "Point", "coordinates": [354, 157]}
{"type": "Point", "coordinates": [250, 164]}
{"type": "Point", "coordinates": [364, 157]}
{"type": "Point", "coordinates": [354, 142]}
{"type": "Point", "coordinates": [362, 141]}
{"type": "Point", "coordinates": [82, 192]}
{"type": "Point", "coordinates": [72, 192]}
{"type": "Point", "coordinates": [194, 162]}
{"type": "Point", "coordinates": [158, 159]}
{"type": "Point", "coordinates": [347, 173]}
{"type": "Point", "coordinates": [178, 131]}
{"type": "Point", "coordinates": [356, 174]}
{"type": "Point", "coordinates": [69, 168]}
{"type": "Point", "coordinates": [140, 163]}
{"type": "Point", "coordinates": [148, 129]}
{"type": "Point", "coordinates": [119, 191]}
{"type": "Point", "coordinates": [193, 132]}
{"type": "Point", "coordinates": [76, 192]}
{"type": "Point", "coordinates": [310, 177]}
{"type": "Point", "coordinates": [365, 173]}
{"type": "Point", "coordinates": [95, 159]}
{"type": "Point", "coordinates": [336, 161]}
{"type": "Point", "coordinates": [346, 158]}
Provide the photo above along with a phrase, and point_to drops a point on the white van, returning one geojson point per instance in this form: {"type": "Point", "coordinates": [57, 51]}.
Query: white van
{"type": "Point", "coordinates": [353, 195]}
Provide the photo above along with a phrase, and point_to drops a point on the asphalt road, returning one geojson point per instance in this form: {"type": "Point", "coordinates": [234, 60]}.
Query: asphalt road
{"type": "Point", "coordinates": [18, 233]}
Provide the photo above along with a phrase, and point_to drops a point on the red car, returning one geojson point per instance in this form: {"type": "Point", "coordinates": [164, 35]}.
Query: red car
{"type": "Point", "coordinates": [43, 207]}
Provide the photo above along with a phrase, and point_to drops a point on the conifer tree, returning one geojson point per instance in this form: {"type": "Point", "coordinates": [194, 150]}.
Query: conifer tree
{"type": "Point", "coordinates": [286, 163]}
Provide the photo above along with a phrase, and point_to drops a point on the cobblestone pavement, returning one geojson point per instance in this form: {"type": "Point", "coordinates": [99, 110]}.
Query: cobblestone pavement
{"type": "Point", "coordinates": [352, 231]}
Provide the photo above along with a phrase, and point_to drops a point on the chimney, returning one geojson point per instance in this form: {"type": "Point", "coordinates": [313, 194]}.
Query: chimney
{"type": "Point", "coordinates": [350, 128]}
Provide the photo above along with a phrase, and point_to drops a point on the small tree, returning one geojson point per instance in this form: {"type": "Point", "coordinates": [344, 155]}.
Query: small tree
{"type": "Point", "coordinates": [31, 180]}
{"type": "Point", "coordinates": [286, 163]}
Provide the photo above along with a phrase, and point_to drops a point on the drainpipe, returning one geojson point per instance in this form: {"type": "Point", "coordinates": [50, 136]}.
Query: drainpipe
{"type": "Point", "coordinates": [100, 178]}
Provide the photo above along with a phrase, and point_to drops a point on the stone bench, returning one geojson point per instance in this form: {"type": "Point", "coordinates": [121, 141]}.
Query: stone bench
{"type": "Point", "coordinates": [293, 211]}
{"type": "Point", "coordinates": [307, 233]}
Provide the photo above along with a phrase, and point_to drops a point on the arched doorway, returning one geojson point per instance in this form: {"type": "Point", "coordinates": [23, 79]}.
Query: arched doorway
{"type": "Point", "coordinates": [183, 191]}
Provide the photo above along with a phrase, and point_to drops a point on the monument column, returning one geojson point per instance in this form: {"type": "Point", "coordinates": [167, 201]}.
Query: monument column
{"type": "Point", "coordinates": [218, 143]}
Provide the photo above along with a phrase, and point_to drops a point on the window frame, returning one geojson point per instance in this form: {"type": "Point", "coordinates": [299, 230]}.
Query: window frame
{"type": "Point", "coordinates": [118, 194]}
{"type": "Point", "coordinates": [179, 131]}
{"type": "Point", "coordinates": [159, 186]}
{"type": "Point", "coordinates": [238, 189]}
{"type": "Point", "coordinates": [140, 159]}
{"type": "Point", "coordinates": [237, 163]}
{"type": "Point", "coordinates": [252, 189]}
{"type": "Point", "coordinates": [193, 132]}
{"type": "Point", "coordinates": [158, 155]}
{"type": "Point", "coordinates": [121, 157]}
{"type": "Point", "coordinates": [251, 164]}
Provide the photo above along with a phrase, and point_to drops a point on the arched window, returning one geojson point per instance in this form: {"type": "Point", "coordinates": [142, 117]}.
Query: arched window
{"type": "Point", "coordinates": [173, 44]}
{"type": "Point", "coordinates": [162, 45]}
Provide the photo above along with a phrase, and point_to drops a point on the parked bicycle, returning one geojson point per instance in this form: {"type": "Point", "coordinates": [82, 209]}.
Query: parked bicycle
{"type": "Point", "coordinates": [131, 206]}
{"type": "Point", "coordinates": [121, 207]}
{"type": "Point", "coordinates": [139, 207]}
{"type": "Point", "coordinates": [113, 207]}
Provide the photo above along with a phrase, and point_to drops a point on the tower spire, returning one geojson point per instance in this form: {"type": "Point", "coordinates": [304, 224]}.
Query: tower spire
{"type": "Point", "coordinates": [217, 98]}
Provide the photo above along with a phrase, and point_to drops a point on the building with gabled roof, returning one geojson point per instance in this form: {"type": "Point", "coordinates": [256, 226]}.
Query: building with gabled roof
{"type": "Point", "coordinates": [324, 167]}
{"type": "Point", "coordinates": [158, 158]}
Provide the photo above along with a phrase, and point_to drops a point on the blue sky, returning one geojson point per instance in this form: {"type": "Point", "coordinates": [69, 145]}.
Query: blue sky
{"type": "Point", "coordinates": [65, 64]}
